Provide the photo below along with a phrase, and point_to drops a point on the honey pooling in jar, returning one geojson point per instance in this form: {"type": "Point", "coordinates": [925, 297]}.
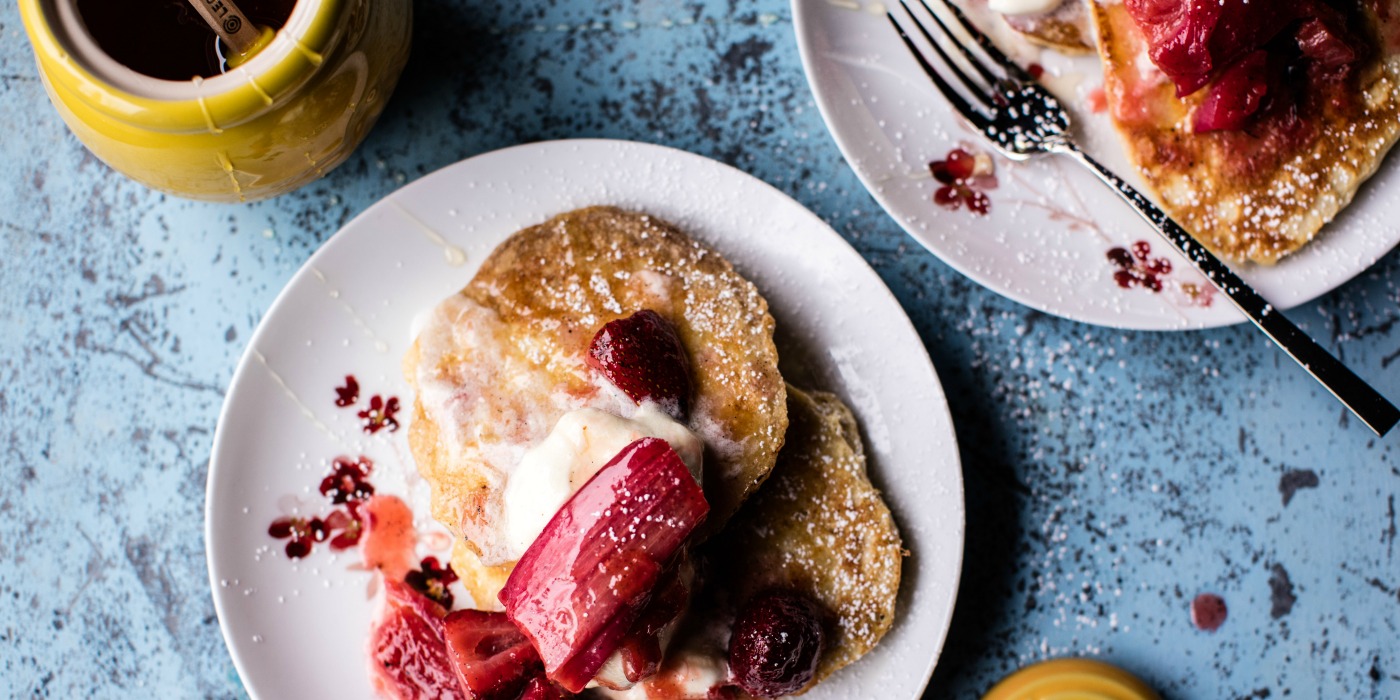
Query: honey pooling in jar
{"type": "Point", "coordinates": [167, 39]}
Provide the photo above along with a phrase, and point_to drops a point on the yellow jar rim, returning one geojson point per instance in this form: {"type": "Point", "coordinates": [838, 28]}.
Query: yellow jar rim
{"type": "Point", "coordinates": [1071, 679]}
{"type": "Point", "coordinates": [211, 113]}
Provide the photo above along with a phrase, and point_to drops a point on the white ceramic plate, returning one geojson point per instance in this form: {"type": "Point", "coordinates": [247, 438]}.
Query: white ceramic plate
{"type": "Point", "coordinates": [298, 628]}
{"type": "Point", "coordinates": [1045, 240]}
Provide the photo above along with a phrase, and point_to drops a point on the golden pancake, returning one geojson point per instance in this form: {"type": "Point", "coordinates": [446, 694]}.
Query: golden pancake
{"type": "Point", "coordinates": [500, 362]}
{"type": "Point", "coordinates": [1244, 195]}
{"type": "Point", "coordinates": [1064, 29]}
{"type": "Point", "coordinates": [819, 527]}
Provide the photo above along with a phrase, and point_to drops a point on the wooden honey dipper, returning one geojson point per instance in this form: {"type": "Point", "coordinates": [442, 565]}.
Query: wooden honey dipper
{"type": "Point", "coordinates": [233, 27]}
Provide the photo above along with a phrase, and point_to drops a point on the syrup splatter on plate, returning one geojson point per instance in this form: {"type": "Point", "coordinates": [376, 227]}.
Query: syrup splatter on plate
{"type": "Point", "coordinates": [1047, 236]}
{"type": "Point", "coordinates": [299, 441]}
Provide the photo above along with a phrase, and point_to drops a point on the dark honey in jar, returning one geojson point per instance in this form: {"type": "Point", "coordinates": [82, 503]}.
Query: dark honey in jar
{"type": "Point", "coordinates": [167, 39]}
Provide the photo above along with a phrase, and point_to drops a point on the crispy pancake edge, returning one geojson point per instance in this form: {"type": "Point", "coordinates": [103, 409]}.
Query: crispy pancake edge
{"type": "Point", "coordinates": [1269, 216]}
{"type": "Point", "coordinates": [722, 319]}
{"type": "Point", "coordinates": [819, 526]}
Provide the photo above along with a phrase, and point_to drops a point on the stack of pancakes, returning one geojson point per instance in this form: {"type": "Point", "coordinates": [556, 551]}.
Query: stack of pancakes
{"type": "Point", "coordinates": [1258, 208]}
{"type": "Point", "coordinates": [502, 360]}
{"type": "Point", "coordinates": [1263, 207]}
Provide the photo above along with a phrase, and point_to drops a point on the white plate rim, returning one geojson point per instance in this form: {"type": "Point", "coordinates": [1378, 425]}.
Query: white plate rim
{"type": "Point", "coordinates": [828, 106]}
{"type": "Point", "coordinates": [247, 364]}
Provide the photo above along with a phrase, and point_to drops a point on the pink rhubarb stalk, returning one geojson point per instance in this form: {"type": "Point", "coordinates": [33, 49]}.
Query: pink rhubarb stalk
{"type": "Point", "coordinates": [578, 589]}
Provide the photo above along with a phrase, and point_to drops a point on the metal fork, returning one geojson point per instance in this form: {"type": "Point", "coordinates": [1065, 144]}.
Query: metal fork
{"type": "Point", "coordinates": [1022, 119]}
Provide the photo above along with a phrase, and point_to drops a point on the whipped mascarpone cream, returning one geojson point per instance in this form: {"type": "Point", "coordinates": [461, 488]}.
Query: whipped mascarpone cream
{"type": "Point", "coordinates": [1023, 7]}
{"type": "Point", "coordinates": [581, 443]}
{"type": "Point", "coordinates": [688, 673]}
{"type": "Point", "coordinates": [493, 393]}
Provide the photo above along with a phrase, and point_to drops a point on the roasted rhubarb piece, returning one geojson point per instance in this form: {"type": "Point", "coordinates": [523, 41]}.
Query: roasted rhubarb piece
{"type": "Point", "coordinates": [1238, 94]}
{"type": "Point", "coordinates": [408, 654]}
{"type": "Point", "coordinates": [494, 661]}
{"type": "Point", "coordinates": [642, 355]}
{"type": "Point", "coordinates": [541, 689]}
{"type": "Point", "coordinates": [640, 650]}
{"type": "Point", "coordinates": [580, 587]}
{"type": "Point", "coordinates": [1194, 41]}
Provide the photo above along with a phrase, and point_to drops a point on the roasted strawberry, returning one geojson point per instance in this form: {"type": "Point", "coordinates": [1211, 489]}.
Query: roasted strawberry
{"type": "Point", "coordinates": [777, 641]}
{"type": "Point", "coordinates": [578, 589]}
{"type": "Point", "coordinates": [642, 355]}
{"type": "Point", "coordinates": [1236, 96]}
{"type": "Point", "coordinates": [641, 648]}
{"type": "Point", "coordinates": [541, 689]}
{"type": "Point", "coordinates": [408, 657]}
{"type": "Point", "coordinates": [493, 659]}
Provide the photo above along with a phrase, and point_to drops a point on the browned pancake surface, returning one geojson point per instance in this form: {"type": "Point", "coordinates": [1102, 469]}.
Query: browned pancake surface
{"type": "Point", "coordinates": [820, 527]}
{"type": "Point", "coordinates": [553, 286]}
{"type": "Point", "coordinates": [1247, 196]}
{"type": "Point", "coordinates": [1065, 29]}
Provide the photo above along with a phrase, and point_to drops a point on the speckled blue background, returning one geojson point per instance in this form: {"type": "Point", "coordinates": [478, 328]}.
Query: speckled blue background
{"type": "Point", "coordinates": [1111, 476]}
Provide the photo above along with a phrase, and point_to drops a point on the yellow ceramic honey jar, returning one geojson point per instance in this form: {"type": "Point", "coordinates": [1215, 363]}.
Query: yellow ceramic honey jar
{"type": "Point", "coordinates": [291, 112]}
{"type": "Point", "coordinates": [1071, 679]}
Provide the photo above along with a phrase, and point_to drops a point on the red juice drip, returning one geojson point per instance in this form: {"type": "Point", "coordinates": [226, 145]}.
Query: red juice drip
{"type": "Point", "coordinates": [1208, 612]}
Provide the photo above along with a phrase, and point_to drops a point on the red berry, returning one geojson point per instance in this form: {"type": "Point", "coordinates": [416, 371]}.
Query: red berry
{"type": "Point", "coordinates": [494, 661]}
{"type": "Point", "coordinates": [348, 481]}
{"type": "Point", "coordinates": [298, 548]}
{"type": "Point", "coordinates": [317, 529]}
{"type": "Point", "coordinates": [1141, 250]}
{"type": "Point", "coordinates": [348, 394]}
{"type": "Point", "coordinates": [643, 356]}
{"type": "Point", "coordinates": [1120, 257]}
{"type": "Point", "coordinates": [281, 528]}
{"type": "Point", "coordinates": [778, 639]}
{"type": "Point", "coordinates": [345, 526]}
{"type": "Point", "coordinates": [380, 414]}
{"type": "Point", "coordinates": [978, 202]}
{"type": "Point", "coordinates": [940, 172]}
{"type": "Point", "coordinates": [956, 169]}
{"type": "Point", "coordinates": [961, 164]}
{"type": "Point", "coordinates": [540, 689]}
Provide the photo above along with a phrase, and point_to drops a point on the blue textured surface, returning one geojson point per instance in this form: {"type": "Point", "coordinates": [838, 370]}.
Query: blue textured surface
{"type": "Point", "coordinates": [1111, 476]}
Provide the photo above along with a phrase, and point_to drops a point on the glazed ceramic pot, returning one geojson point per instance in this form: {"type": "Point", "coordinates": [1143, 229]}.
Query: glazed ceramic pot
{"type": "Point", "coordinates": [287, 115]}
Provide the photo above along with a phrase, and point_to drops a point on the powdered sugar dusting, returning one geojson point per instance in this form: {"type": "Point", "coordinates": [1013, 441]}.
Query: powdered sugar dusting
{"type": "Point", "coordinates": [502, 361]}
{"type": "Point", "coordinates": [818, 525]}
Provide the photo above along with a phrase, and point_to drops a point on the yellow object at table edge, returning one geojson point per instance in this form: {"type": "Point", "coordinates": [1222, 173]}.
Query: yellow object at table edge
{"type": "Point", "coordinates": [1071, 679]}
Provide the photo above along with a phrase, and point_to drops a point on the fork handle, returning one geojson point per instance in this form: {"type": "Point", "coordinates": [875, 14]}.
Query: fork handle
{"type": "Point", "coordinates": [1360, 398]}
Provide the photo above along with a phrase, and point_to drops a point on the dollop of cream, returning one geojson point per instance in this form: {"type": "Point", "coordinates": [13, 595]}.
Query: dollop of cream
{"type": "Point", "coordinates": [688, 674]}
{"type": "Point", "coordinates": [581, 443]}
{"type": "Point", "coordinates": [1023, 7]}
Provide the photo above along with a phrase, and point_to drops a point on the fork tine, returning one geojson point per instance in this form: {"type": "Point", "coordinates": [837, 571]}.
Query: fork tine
{"type": "Point", "coordinates": [1011, 67]}
{"type": "Point", "coordinates": [976, 62]}
{"type": "Point", "coordinates": [959, 103]}
{"type": "Point", "coordinates": [978, 91]}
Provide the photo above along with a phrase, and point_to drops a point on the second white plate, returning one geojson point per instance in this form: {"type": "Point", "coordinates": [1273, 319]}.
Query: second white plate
{"type": "Point", "coordinates": [1044, 241]}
